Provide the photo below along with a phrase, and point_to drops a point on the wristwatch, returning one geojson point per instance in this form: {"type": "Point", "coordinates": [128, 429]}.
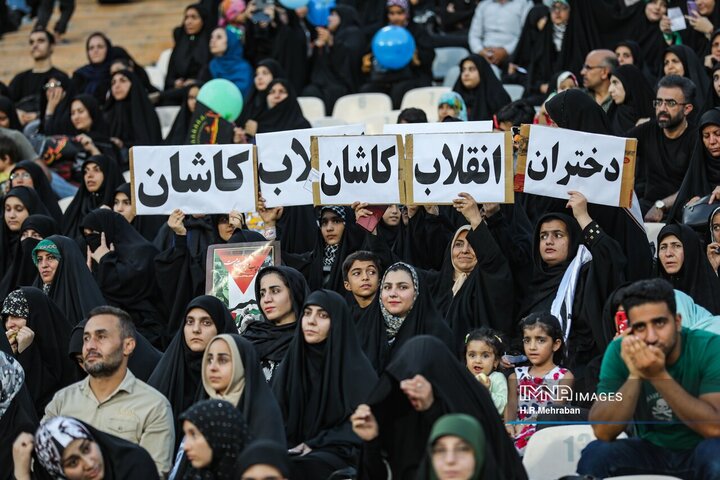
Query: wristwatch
{"type": "Point", "coordinates": [660, 205]}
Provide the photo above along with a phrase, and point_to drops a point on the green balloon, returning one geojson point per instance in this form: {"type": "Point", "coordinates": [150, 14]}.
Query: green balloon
{"type": "Point", "coordinates": [222, 97]}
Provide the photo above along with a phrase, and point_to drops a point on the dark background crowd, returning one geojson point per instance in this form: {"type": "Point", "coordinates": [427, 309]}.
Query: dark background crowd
{"type": "Point", "coordinates": [396, 342]}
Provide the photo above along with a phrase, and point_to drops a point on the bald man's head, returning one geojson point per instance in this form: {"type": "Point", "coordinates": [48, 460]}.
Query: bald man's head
{"type": "Point", "coordinates": [598, 66]}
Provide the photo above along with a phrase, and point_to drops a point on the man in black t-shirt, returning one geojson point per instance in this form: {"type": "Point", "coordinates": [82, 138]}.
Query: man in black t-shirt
{"type": "Point", "coordinates": [27, 86]}
{"type": "Point", "coordinates": [665, 146]}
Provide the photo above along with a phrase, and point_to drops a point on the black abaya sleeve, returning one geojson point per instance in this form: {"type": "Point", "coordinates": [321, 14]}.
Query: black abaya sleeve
{"type": "Point", "coordinates": [486, 297]}
{"type": "Point", "coordinates": [179, 279]}
{"type": "Point", "coordinates": [429, 237]}
{"type": "Point", "coordinates": [605, 274]}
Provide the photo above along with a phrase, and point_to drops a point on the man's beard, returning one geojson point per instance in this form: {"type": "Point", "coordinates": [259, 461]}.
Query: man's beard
{"type": "Point", "coordinates": [672, 122]}
{"type": "Point", "coordinates": [106, 367]}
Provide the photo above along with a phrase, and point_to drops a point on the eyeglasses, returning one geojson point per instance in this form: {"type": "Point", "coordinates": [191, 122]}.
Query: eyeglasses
{"type": "Point", "coordinates": [670, 103]}
{"type": "Point", "coordinates": [23, 175]}
{"type": "Point", "coordinates": [50, 85]}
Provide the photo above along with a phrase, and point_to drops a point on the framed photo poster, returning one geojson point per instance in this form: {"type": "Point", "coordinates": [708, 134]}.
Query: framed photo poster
{"type": "Point", "coordinates": [231, 272]}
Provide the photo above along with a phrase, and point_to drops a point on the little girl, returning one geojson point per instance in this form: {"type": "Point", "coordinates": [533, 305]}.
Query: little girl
{"type": "Point", "coordinates": [483, 349]}
{"type": "Point", "coordinates": [544, 347]}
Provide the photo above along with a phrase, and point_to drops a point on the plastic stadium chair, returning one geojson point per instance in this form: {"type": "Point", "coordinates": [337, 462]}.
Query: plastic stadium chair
{"type": "Point", "coordinates": [357, 107]}
{"type": "Point", "coordinates": [451, 77]}
{"type": "Point", "coordinates": [327, 122]}
{"type": "Point", "coordinates": [156, 76]}
{"type": "Point", "coordinates": [426, 99]}
{"type": "Point", "coordinates": [64, 202]}
{"type": "Point", "coordinates": [555, 451]}
{"type": "Point", "coordinates": [312, 108]}
{"type": "Point", "coordinates": [515, 91]}
{"type": "Point", "coordinates": [374, 125]}
{"type": "Point", "coordinates": [446, 58]}
{"type": "Point", "coordinates": [167, 115]}
{"type": "Point", "coordinates": [164, 61]}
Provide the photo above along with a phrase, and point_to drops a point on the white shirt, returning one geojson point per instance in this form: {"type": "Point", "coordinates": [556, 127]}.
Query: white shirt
{"type": "Point", "coordinates": [498, 24]}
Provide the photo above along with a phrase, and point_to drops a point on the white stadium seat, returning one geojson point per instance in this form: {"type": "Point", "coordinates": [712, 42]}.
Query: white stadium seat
{"type": "Point", "coordinates": [357, 107]}
{"type": "Point", "coordinates": [426, 99]}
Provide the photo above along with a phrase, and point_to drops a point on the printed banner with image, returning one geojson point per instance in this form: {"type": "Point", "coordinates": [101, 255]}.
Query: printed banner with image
{"type": "Point", "coordinates": [231, 273]}
{"type": "Point", "coordinates": [197, 179]}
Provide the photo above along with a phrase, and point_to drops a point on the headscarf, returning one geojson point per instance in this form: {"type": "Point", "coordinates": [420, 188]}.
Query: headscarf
{"type": "Point", "coordinates": [398, 3]}
{"type": "Point", "coordinates": [73, 289]}
{"type": "Point", "coordinates": [271, 341]}
{"type": "Point", "coordinates": [465, 427]}
{"type": "Point", "coordinates": [703, 173]}
{"type": "Point", "coordinates": [488, 97]}
{"type": "Point", "coordinates": [575, 109]}
{"type": "Point", "coordinates": [53, 437]}
{"type": "Point", "coordinates": [264, 452]}
{"type": "Point", "coordinates": [393, 322]}
{"type": "Point", "coordinates": [41, 185]}
{"type": "Point", "coordinates": [86, 201]}
{"type": "Point", "coordinates": [99, 130]}
{"type": "Point", "coordinates": [191, 52]}
{"type": "Point", "coordinates": [10, 240]}
{"type": "Point", "coordinates": [127, 275]}
{"type": "Point", "coordinates": [545, 280]}
{"type": "Point", "coordinates": [48, 368]}
{"type": "Point", "coordinates": [17, 412]}
{"type": "Point", "coordinates": [12, 377]}
{"type": "Point", "coordinates": [382, 334]}
{"type": "Point", "coordinates": [133, 119]}
{"type": "Point", "coordinates": [178, 374]}
{"type": "Point", "coordinates": [286, 115]}
{"type": "Point", "coordinates": [459, 275]}
{"type": "Point", "coordinates": [247, 390]}
{"type": "Point", "coordinates": [23, 271]}
{"type": "Point", "coordinates": [121, 459]}
{"type": "Point", "coordinates": [404, 432]}
{"type": "Point", "coordinates": [7, 107]}
{"type": "Point", "coordinates": [536, 50]}
{"type": "Point", "coordinates": [455, 101]}
{"type": "Point", "coordinates": [319, 385]}
{"type": "Point", "coordinates": [181, 125]}
{"type": "Point", "coordinates": [712, 100]}
{"type": "Point", "coordinates": [256, 101]}
{"type": "Point", "coordinates": [694, 70]}
{"type": "Point", "coordinates": [638, 100]}
{"type": "Point", "coordinates": [95, 74]}
{"type": "Point", "coordinates": [59, 122]}
{"type": "Point", "coordinates": [225, 431]}
{"type": "Point", "coordinates": [696, 276]}
{"type": "Point", "coordinates": [231, 65]}
{"type": "Point", "coordinates": [146, 225]}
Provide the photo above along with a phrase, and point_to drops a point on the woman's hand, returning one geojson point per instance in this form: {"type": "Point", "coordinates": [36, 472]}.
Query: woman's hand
{"type": "Point", "coordinates": [102, 250]}
{"type": "Point", "coordinates": [419, 391]}
{"type": "Point", "coordinates": [87, 143]}
{"type": "Point", "coordinates": [700, 23]}
{"type": "Point", "coordinates": [22, 456]}
{"type": "Point", "coordinates": [578, 203]}
{"type": "Point", "coordinates": [251, 127]}
{"type": "Point", "coordinates": [469, 208]}
{"type": "Point", "coordinates": [24, 338]}
{"type": "Point", "coordinates": [713, 255]}
{"type": "Point", "coordinates": [364, 423]}
{"type": "Point", "coordinates": [235, 219]}
{"type": "Point", "coordinates": [54, 96]}
{"type": "Point", "coordinates": [666, 25]}
{"type": "Point", "coordinates": [301, 450]}
{"type": "Point", "coordinates": [269, 216]}
{"type": "Point", "coordinates": [175, 222]}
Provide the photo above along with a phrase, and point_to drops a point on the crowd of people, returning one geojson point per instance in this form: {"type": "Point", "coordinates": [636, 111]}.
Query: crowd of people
{"type": "Point", "coordinates": [413, 349]}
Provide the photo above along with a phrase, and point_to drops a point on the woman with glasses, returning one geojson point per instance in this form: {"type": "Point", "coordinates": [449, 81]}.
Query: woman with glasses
{"type": "Point", "coordinates": [29, 174]}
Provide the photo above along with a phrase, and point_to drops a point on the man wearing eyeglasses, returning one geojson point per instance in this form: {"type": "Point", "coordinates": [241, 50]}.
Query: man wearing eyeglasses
{"type": "Point", "coordinates": [665, 146]}
{"type": "Point", "coordinates": [599, 64]}
{"type": "Point", "coordinates": [26, 87]}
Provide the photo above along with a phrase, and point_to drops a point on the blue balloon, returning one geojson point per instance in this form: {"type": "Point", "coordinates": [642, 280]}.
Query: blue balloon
{"type": "Point", "coordinates": [393, 47]}
{"type": "Point", "coordinates": [319, 11]}
{"type": "Point", "coordinates": [293, 4]}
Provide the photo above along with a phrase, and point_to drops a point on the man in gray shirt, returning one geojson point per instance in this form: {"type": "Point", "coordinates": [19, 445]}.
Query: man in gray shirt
{"type": "Point", "coordinates": [111, 399]}
{"type": "Point", "coordinates": [495, 28]}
